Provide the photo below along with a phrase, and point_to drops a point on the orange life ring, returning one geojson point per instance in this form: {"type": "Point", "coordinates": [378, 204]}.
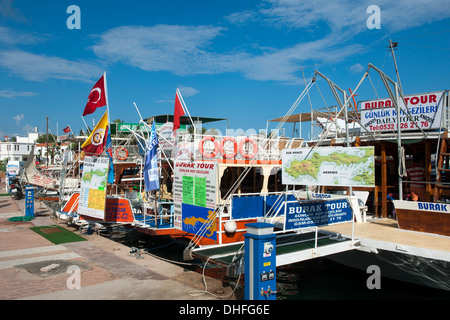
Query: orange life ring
{"type": "Point", "coordinates": [246, 155]}
{"type": "Point", "coordinates": [211, 154]}
{"type": "Point", "coordinates": [119, 153]}
{"type": "Point", "coordinates": [230, 155]}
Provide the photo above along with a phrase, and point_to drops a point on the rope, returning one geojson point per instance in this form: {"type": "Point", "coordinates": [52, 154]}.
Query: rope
{"type": "Point", "coordinates": [247, 169]}
{"type": "Point", "coordinates": [171, 261]}
{"type": "Point", "coordinates": [401, 163]}
{"type": "Point", "coordinates": [197, 293]}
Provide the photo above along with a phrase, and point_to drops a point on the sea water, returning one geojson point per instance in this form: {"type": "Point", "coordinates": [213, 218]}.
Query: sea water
{"type": "Point", "coordinates": [316, 279]}
{"type": "Point", "coordinates": [323, 279]}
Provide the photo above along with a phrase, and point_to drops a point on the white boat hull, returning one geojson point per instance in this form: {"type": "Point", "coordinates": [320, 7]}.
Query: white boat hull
{"type": "Point", "coordinates": [400, 266]}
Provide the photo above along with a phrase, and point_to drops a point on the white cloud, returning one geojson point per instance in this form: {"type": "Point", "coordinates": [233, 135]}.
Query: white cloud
{"type": "Point", "coordinates": [243, 17]}
{"type": "Point", "coordinates": [19, 118]}
{"type": "Point", "coordinates": [350, 16]}
{"type": "Point", "coordinates": [36, 67]}
{"type": "Point", "coordinates": [193, 50]}
{"type": "Point", "coordinates": [188, 91]}
{"type": "Point", "coordinates": [186, 50]}
{"type": "Point", "coordinates": [356, 68]}
{"type": "Point", "coordinates": [14, 94]}
{"type": "Point", "coordinates": [8, 11]}
{"type": "Point", "coordinates": [9, 36]}
{"type": "Point", "coordinates": [181, 50]}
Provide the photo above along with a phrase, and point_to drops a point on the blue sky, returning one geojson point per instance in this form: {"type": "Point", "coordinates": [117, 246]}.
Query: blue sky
{"type": "Point", "coordinates": [240, 60]}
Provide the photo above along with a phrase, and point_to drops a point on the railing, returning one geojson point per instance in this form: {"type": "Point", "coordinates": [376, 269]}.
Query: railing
{"type": "Point", "coordinates": [159, 219]}
{"type": "Point", "coordinates": [253, 147]}
{"type": "Point", "coordinates": [281, 209]}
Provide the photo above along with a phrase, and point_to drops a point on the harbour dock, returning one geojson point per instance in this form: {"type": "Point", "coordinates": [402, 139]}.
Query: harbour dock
{"type": "Point", "coordinates": [108, 270]}
{"type": "Point", "coordinates": [401, 254]}
{"type": "Point", "coordinates": [385, 234]}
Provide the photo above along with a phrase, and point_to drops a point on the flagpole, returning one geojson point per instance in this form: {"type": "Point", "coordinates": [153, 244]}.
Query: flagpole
{"type": "Point", "coordinates": [186, 109]}
{"type": "Point", "coordinates": [138, 111]}
{"type": "Point", "coordinates": [87, 128]}
{"type": "Point", "coordinates": [145, 149]}
{"type": "Point", "coordinates": [107, 99]}
{"type": "Point", "coordinates": [107, 110]}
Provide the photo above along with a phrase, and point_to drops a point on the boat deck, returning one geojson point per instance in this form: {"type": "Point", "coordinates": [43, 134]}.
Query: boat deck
{"type": "Point", "coordinates": [150, 222]}
{"type": "Point", "coordinates": [290, 248]}
{"type": "Point", "coordinates": [370, 236]}
{"type": "Point", "coordinates": [385, 234]}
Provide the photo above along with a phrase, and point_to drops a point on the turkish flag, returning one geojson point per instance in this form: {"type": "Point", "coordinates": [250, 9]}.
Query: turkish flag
{"type": "Point", "coordinates": [67, 129]}
{"type": "Point", "coordinates": [178, 113]}
{"type": "Point", "coordinates": [97, 97]}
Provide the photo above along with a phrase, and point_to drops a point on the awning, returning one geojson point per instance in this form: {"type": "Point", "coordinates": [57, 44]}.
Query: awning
{"type": "Point", "coordinates": [183, 120]}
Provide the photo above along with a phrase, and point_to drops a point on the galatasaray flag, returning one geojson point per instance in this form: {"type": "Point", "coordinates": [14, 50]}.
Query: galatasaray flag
{"type": "Point", "coordinates": [151, 171]}
{"type": "Point", "coordinates": [95, 144]}
{"type": "Point", "coordinates": [177, 113]}
{"type": "Point", "coordinates": [97, 97]}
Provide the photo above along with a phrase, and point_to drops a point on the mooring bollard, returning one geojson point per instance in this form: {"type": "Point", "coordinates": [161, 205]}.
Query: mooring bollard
{"type": "Point", "coordinates": [260, 262]}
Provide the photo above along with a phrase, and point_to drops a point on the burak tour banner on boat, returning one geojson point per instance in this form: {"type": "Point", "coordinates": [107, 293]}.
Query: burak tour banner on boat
{"type": "Point", "coordinates": [425, 111]}
{"type": "Point", "coordinates": [317, 213]}
{"type": "Point", "coordinates": [194, 197]}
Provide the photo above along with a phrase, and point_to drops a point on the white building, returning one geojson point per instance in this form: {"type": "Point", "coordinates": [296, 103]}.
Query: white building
{"type": "Point", "coordinates": [18, 150]}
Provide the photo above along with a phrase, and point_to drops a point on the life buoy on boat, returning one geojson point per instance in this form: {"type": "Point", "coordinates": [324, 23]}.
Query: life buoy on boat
{"type": "Point", "coordinates": [122, 154]}
{"type": "Point", "coordinates": [229, 155]}
{"type": "Point", "coordinates": [211, 154]}
{"type": "Point", "coordinates": [248, 155]}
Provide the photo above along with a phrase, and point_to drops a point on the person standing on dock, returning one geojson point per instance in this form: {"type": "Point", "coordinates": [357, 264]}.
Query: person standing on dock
{"type": "Point", "coordinates": [416, 172]}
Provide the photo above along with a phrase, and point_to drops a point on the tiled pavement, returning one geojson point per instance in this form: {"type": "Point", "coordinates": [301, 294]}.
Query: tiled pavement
{"type": "Point", "coordinates": [106, 269]}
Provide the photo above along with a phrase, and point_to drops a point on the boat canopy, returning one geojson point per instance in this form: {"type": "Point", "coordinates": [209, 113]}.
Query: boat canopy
{"type": "Point", "coordinates": [183, 120]}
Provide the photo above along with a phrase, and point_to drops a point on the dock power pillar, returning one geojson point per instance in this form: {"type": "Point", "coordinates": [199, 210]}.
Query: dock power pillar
{"type": "Point", "coordinates": [260, 262]}
{"type": "Point", "coordinates": [29, 201]}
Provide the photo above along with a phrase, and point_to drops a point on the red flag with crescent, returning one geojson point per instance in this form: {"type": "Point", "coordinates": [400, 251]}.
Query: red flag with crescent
{"type": "Point", "coordinates": [97, 97]}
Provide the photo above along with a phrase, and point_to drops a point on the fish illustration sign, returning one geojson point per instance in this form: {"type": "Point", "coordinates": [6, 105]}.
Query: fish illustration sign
{"type": "Point", "coordinates": [194, 195]}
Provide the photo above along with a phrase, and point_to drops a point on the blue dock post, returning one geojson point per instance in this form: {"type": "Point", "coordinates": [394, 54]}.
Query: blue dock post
{"type": "Point", "coordinates": [260, 262]}
{"type": "Point", "coordinates": [29, 201]}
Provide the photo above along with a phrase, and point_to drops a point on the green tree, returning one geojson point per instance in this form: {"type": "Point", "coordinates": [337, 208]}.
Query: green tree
{"type": "Point", "coordinates": [43, 138]}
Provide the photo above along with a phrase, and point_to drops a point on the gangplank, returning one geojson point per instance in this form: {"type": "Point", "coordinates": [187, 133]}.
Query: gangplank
{"type": "Point", "coordinates": [290, 248]}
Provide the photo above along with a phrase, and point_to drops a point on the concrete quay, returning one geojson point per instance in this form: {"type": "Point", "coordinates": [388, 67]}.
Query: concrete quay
{"type": "Point", "coordinates": [106, 268]}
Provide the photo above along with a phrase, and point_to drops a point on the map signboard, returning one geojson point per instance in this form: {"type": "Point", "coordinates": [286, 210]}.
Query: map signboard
{"type": "Point", "coordinates": [329, 166]}
{"type": "Point", "coordinates": [93, 187]}
{"type": "Point", "coordinates": [195, 196]}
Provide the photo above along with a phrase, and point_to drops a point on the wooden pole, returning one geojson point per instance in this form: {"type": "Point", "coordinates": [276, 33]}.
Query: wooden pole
{"type": "Point", "coordinates": [428, 171]}
{"type": "Point", "coordinates": [47, 142]}
{"type": "Point", "coordinates": [383, 181]}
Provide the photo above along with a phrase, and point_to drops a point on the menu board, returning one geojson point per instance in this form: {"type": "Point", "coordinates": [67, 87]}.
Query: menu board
{"type": "Point", "coordinates": [93, 187]}
{"type": "Point", "coordinates": [194, 191]}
